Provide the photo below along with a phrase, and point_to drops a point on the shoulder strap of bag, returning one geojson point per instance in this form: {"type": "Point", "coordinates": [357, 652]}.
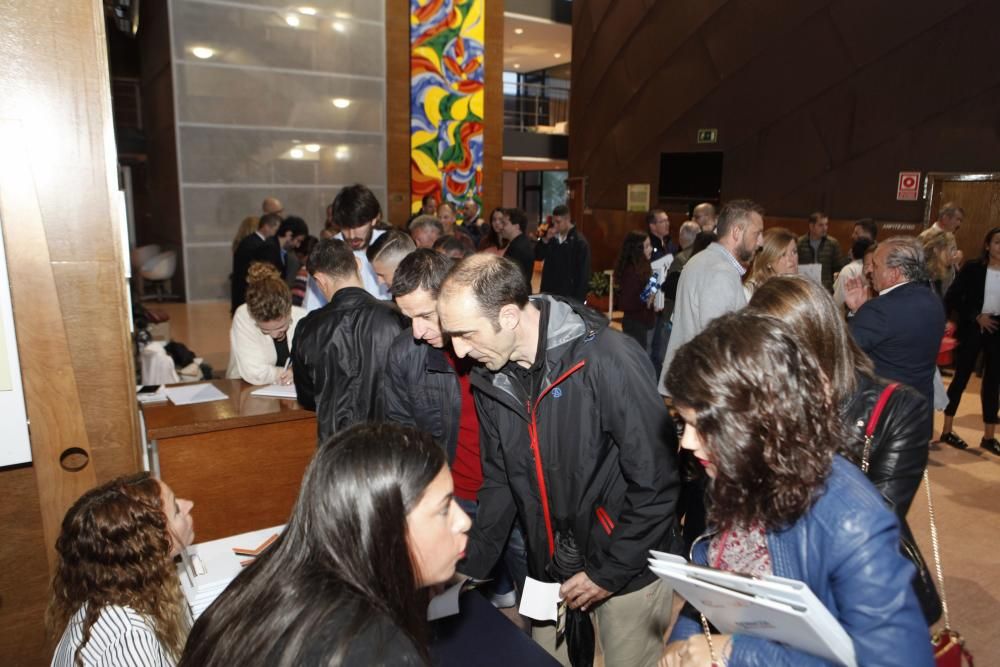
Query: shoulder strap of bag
{"type": "Point", "coordinates": [873, 423]}
{"type": "Point", "coordinates": [939, 572]}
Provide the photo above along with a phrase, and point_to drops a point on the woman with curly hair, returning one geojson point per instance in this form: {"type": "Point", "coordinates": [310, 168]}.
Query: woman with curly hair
{"type": "Point", "coordinates": [374, 525]}
{"type": "Point", "coordinates": [631, 275]}
{"type": "Point", "coordinates": [940, 250]}
{"type": "Point", "coordinates": [778, 256]}
{"type": "Point", "coordinates": [260, 339]}
{"type": "Point", "coordinates": [116, 597]}
{"type": "Point", "coordinates": [761, 419]}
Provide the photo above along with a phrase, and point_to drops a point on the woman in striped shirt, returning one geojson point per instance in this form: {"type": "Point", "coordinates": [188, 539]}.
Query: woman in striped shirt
{"type": "Point", "coordinates": [116, 597]}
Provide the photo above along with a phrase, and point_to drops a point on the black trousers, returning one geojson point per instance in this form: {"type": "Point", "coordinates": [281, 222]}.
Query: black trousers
{"type": "Point", "coordinates": [970, 344]}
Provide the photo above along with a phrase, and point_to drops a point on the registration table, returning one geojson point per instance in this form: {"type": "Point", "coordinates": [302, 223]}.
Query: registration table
{"type": "Point", "coordinates": [240, 459]}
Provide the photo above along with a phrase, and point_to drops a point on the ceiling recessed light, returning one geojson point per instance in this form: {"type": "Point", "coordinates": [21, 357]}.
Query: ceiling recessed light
{"type": "Point", "coordinates": [342, 15]}
{"type": "Point", "coordinates": [557, 55]}
{"type": "Point", "coordinates": [203, 52]}
{"type": "Point", "coordinates": [339, 26]}
{"type": "Point", "coordinates": [296, 153]}
{"type": "Point", "coordinates": [341, 102]}
{"type": "Point", "coordinates": [312, 148]}
{"type": "Point", "coordinates": [518, 31]}
{"type": "Point", "coordinates": [517, 65]}
{"type": "Point", "coordinates": [342, 153]}
{"type": "Point", "coordinates": [293, 20]}
{"type": "Point", "coordinates": [308, 11]}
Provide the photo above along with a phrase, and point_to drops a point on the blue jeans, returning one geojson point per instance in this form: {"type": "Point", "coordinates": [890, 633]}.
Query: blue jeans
{"type": "Point", "coordinates": [658, 348]}
{"type": "Point", "coordinates": [510, 571]}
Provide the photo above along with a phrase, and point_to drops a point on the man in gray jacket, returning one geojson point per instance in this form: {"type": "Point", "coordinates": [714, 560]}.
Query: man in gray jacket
{"type": "Point", "coordinates": [710, 284]}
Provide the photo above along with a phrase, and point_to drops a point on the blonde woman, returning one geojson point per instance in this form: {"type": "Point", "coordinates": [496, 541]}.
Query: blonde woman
{"type": "Point", "coordinates": [778, 256]}
{"type": "Point", "coordinates": [940, 250]}
{"type": "Point", "coordinates": [260, 340]}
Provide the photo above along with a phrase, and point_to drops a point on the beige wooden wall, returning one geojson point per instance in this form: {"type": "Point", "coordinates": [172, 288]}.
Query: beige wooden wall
{"type": "Point", "coordinates": [57, 178]}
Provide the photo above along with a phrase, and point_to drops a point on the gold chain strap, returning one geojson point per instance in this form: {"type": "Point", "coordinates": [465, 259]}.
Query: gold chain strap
{"type": "Point", "coordinates": [937, 551]}
{"type": "Point", "coordinates": [711, 647]}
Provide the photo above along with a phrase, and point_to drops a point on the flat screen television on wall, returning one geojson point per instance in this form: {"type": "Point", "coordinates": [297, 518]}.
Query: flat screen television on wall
{"type": "Point", "coordinates": [690, 175]}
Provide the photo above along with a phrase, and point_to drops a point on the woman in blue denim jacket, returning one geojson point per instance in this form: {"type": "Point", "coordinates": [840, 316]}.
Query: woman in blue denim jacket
{"type": "Point", "coordinates": [760, 417]}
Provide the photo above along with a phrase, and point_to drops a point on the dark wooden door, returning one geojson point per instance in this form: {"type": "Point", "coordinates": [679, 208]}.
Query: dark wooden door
{"type": "Point", "coordinates": [978, 195]}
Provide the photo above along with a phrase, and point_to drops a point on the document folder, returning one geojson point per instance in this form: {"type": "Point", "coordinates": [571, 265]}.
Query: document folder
{"type": "Point", "coordinates": [774, 608]}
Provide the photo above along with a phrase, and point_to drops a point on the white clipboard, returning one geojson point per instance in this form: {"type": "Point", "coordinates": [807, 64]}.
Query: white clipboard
{"type": "Point", "coordinates": [774, 608]}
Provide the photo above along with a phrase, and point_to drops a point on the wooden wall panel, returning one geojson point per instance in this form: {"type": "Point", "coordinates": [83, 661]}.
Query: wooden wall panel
{"type": "Point", "coordinates": [57, 182]}
{"type": "Point", "coordinates": [397, 86]}
{"type": "Point", "coordinates": [818, 103]}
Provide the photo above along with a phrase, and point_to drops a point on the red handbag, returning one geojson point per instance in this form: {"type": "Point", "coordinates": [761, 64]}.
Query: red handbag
{"type": "Point", "coordinates": [948, 644]}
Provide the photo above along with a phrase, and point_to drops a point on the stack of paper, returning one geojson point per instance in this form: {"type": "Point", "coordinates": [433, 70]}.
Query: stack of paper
{"type": "Point", "coordinates": [158, 396]}
{"type": "Point", "coordinates": [774, 608]}
{"type": "Point", "coordinates": [277, 391]}
{"type": "Point", "coordinates": [209, 567]}
{"type": "Point", "coordinates": [187, 394]}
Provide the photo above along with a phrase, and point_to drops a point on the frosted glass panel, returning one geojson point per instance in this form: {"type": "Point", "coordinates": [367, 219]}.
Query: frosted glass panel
{"type": "Point", "coordinates": [219, 155]}
{"type": "Point", "coordinates": [212, 214]}
{"type": "Point", "coordinates": [368, 10]}
{"type": "Point", "coordinates": [273, 100]}
{"type": "Point", "coordinates": [230, 96]}
{"type": "Point", "coordinates": [249, 37]}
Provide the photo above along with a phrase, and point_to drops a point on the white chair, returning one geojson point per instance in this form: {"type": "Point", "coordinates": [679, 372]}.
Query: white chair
{"type": "Point", "coordinates": [158, 272]}
{"type": "Point", "coordinates": [143, 254]}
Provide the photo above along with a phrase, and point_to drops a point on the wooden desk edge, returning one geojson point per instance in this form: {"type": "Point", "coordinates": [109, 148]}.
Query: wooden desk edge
{"type": "Point", "coordinates": [211, 426]}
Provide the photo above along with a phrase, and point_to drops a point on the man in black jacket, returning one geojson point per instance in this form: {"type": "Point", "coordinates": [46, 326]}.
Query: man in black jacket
{"type": "Point", "coordinates": [520, 248]}
{"type": "Point", "coordinates": [291, 232]}
{"type": "Point", "coordinates": [338, 358]}
{"type": "Point", "coordinates": [576, 442]}
{"type": "Point", "coordinates": [428, 387]}
{"type": "Point", "coordinates": [566, 254]}
{"type": "Point", "coordinates": [245, 253]}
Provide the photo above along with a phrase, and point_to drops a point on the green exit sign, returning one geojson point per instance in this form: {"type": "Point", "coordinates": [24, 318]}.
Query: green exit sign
{"type": "Point", "coordinates": [708, 136]}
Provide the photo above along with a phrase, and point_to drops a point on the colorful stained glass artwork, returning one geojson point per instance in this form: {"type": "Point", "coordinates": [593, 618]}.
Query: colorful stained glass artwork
{"type": "Point", "coordinates": [447, 76]}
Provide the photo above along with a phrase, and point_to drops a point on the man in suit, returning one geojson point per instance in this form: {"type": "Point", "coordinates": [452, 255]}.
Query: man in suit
{"type": "Point", "coordinates": [901, 328]}
{"type": "Point", "coordinates": [291, 233]}
{"type": "Point", "coordinates": [246, 252]}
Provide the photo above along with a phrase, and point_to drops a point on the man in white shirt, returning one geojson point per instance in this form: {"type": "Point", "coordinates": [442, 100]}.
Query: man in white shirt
{"type": "Point", "coordinates": [355, 211]}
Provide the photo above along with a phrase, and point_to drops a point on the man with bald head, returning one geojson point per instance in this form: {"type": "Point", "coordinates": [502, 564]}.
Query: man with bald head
{"type": "Point", "coordinates": [576, 444]}
{"type": "Point", "coordinates": [704, 215]}
{"type": "Point", "coordinates": [272, 205]}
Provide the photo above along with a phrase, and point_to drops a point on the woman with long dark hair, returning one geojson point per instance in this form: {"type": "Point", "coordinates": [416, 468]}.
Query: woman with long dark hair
{"type": "Point", "coordinates": [374, 524]}
{"type": "Point", "coordinates": [631, 275]}
{"type": "Point", "coordinates": [974, 299]}
{"type": "Point", "coordinates": [492, 241]}
{"type": "Point", "coordinates": [116, 597]}
{"type": "Point", "coordinates": [762, 420]}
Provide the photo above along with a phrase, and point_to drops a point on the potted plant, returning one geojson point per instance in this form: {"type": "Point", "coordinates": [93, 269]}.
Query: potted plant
{"type": "Point", "coordinates": [599, 290]}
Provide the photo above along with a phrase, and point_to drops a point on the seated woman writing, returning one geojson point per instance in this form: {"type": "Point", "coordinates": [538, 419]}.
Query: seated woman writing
{"type": "Point", "coordinates": [116, 597]}
{"type": "Point", "coordinates": [263, 329]}
{"type": "Point", "coordinates": [761, 418]}
{"type": "Point", "coordinates": [374, 524]}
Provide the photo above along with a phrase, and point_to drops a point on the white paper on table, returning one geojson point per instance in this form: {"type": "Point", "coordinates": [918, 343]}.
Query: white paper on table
{"type": "Point", "coordinates": [194, 393]}
{"type": "Point", "coordinates": [540, 600]}
{"type": "Point", "coordinates": [812, 271]}
{"type": "Point", "coordinates": [445, 604]}
{"type": "Point", "coordinates": [276, 391]}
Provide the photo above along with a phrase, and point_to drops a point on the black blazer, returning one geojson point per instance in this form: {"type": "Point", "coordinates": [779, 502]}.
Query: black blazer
{"type": "Point", "coordinates": [964, 300]}
{"type": "Point", "coordinates": [901, 331]}
{"type": "Point", "coordinates": [245, 253]}
{"type": "Point", "coordinates": [270, 252]}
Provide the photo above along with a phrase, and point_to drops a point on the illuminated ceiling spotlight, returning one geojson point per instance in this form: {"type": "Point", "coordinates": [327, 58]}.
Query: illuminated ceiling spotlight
{"type": "Point", "coordinates": [557, 55]}
{"type": "Point", "coordinates": [342, 153]}
{"type": "Point", "coordinates": [313, 148]}
{"type": "Point", "coordinates": [517, 65]}
{"type": "Point", "coordinates": [339, 26]}
{"type": "Point", "coordinates": [342, 15]}
{"type": "Point", "coordinates": [518, 31]}
{"type": "Point", "coordinates": [293, 20]}
{"type": "Point", "coordinates": [296, 153]}
{"type": "Point", "coordinates": [308, 11]}
{"type": "Point", "coordinates": [341, 102]}
{"type": "Point", "coordinates": [203, 52]}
